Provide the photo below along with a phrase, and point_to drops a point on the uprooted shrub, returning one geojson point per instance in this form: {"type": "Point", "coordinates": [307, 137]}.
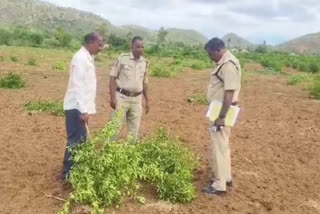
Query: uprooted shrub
{"type": "Point", "coordinates": [107, 172]}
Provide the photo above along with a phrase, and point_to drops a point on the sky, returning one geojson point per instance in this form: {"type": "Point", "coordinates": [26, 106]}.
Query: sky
{"type": "Point", "coordinates": [273, 21]}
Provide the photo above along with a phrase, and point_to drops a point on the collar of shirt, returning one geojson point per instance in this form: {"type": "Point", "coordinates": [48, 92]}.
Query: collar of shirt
{"type": "Point", "coordinates": [224, 58]}
{"type": "Point", "coordinates": [90, 57]}
{"type": "Point", "coordinates": [132, 57]}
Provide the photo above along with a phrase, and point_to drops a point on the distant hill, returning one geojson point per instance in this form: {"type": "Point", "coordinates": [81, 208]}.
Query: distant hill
{"type": "Point", "coordinates": [46, 16]}
{"type": "Point", "coordinates": [234, 41]}
{"type": "Point", "coordinates": [138, 30]}
{"type": "Point", "coordinates": [188, 36]}
{"type": "Point", "coordinates": [309, 44]}
{"type": "Point", "coordinates": [174, 34]}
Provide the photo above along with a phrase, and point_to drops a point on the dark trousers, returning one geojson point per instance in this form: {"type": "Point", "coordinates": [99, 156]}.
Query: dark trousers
{"type": "Point", "coordinates": [76, 133]}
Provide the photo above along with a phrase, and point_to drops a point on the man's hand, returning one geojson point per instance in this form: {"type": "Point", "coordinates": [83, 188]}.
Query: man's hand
{"type": "Point", "coordinates": [147, 107]}
{"type": "Point", "coordinates": [227, 101]}
{"type": "Point", "coordinates": [112, 89]}
{"type": "Point", "coordinates": [113, 102]}
{"type": "Point", "coordinates": [219, 122]}
{"type": "Point", "coordinates": [84, 117]}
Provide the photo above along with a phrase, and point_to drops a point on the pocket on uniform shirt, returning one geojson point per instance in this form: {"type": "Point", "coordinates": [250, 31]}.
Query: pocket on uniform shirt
{"type": "Point", "coordinates": [127, 67]}
{"type": "Point", "coordinates": [127, 70]}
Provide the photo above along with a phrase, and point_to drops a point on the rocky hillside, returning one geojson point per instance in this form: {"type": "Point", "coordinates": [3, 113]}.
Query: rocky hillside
{"type": "Point", "coordinates": [45, 16]}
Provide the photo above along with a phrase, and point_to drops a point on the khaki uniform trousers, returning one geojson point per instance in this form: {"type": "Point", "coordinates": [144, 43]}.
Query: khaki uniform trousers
{"type": "Point", "coordinates": [221, 157]}
{"type": "Point", "coordinates": [132, 107]}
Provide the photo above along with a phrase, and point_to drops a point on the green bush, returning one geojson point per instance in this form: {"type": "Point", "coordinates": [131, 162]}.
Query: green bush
{"type": "Point", "coordinates": [59, 66]}
{"type": "Point", "coordinates": [53, 108]}
{"type": "Point", "coordinates": [50, 43]}
{"type": "Point", "coordinates": [314, 68]}
{"type": "Point", "coordinates": [63, 37]}
{"type": "Point", "coordinates": [158, 70]}
{"type": "Point", "coordinates": [152, 50]}
{"type": "Point", "coordinates": [265, 62]}
{"type": "Point", "coordinates": [288, 63]}
{"type": "Point", "coordinates": [297, 79]}
{"type": "Point", "coordinates": [5, 36]}
{"type": "Point", "coordinates": [198, 99]}
{"type": "Point", "coordinates": [118, 43]}
{"type": "Point", "coordinates": [36, 39]}
{"type": "Point", "coordinates": [178, 50]}
{"type": "Point", "coordinates": [14, 58]}
{"type": "Point", "coordinates": [12, 81]}
{"type": "Point", "coordinates": [32, 61]}
{"type": "Point", "coordinates": [21, 36]}
{"type": "Point", "coordinates": [295, 65]}
{"type": "Point", "coordinates": [166, 68]}
{"type": "Point", "coordinates": [75, 44]}
{"type": "Point", "coordinates": [277, 67]}
{"type": "Point", "coordinates": [261, 49]}
{"type": "Point", "coordinates": [271, 64]}
{"type": "Point", "coordinates": [276, 60]}
{"type": "Point", "coordinates": [303, 67]}
{"type": "Point", "coordinates": [242, 61]}
{"type": "Point", "coordinates": [169, 166]}
{"type": "Point", "coordinates": [315, 90]}
{"type": "Point", "coordinates": [169, 68]}
{"type": "Point", "coordinates": [196, 64]}
{"type": "Point", "coordinates": [105, 172]}
{"type": "Point", "coordinates": [100, 58]}
{"type": "Point", "coordinates": [1, 58]}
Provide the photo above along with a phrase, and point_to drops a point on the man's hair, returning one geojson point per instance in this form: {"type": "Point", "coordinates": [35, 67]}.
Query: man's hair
{"type": "Point", "coordinates": [214, 44]}
{"type": "Point", "coordinates": [136, 38]}
{"type": "Point", "coordinates": [91, 37]}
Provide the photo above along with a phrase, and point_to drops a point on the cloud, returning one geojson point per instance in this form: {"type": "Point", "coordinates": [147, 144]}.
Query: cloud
{"type": "Point", "coordinates": [274, 20]}
{"type": "Point", "coordinates": [275, 10]}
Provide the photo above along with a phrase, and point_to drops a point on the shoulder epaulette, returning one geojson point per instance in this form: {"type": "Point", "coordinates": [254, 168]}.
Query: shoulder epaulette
{"type": "Point", "coordinates": [234, 63]}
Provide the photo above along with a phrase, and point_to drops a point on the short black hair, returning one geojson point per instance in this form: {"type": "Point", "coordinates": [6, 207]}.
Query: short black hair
{"type": "Point", "coordinates": [214, 44]}
{"type": "Point", "coordinates": [91, 37]}
{"type": "Point", "coordinates": [136, 38]}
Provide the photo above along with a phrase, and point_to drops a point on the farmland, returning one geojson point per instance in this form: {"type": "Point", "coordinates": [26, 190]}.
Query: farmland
{"type": "Point", "coordinates": [275, 146]}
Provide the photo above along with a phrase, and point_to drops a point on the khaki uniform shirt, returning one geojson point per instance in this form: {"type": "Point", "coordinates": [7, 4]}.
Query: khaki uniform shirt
{"type": "Point", "coordinates": [230, 74]}
{"type": "Point", "coordinates": [130, 74]}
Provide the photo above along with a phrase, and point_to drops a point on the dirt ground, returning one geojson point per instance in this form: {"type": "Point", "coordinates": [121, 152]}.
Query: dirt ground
{"type": "Point", "coordinates": [275, 147]}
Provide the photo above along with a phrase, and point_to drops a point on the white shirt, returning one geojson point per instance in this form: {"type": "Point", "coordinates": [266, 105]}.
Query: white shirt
{"type": "Point", "coordinates": [81, 92]}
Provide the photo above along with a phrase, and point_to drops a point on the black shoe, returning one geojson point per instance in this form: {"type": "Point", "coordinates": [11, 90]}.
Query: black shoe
{"type": "Point", "coordinates": [228, 183]}
{"type": "Point", "coordinates": [211, 190]}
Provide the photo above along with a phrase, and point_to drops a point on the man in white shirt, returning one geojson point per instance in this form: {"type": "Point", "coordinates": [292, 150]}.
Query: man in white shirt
{"type": "Point", "coordinates": [79, 101]}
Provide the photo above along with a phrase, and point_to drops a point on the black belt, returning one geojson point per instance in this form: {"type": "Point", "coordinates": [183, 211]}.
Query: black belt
{"type": "Point", "coordinates": [128, 93]}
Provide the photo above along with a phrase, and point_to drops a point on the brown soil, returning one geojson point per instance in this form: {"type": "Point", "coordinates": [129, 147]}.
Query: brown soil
{"type": "Point", "coordinates": [275, 147]}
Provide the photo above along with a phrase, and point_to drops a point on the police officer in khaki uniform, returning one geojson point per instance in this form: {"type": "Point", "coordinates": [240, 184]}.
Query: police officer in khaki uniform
{"type": "Point", "coordinates": [224, 86]}
{"type": "Point", "coordinates": [128, 82]}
